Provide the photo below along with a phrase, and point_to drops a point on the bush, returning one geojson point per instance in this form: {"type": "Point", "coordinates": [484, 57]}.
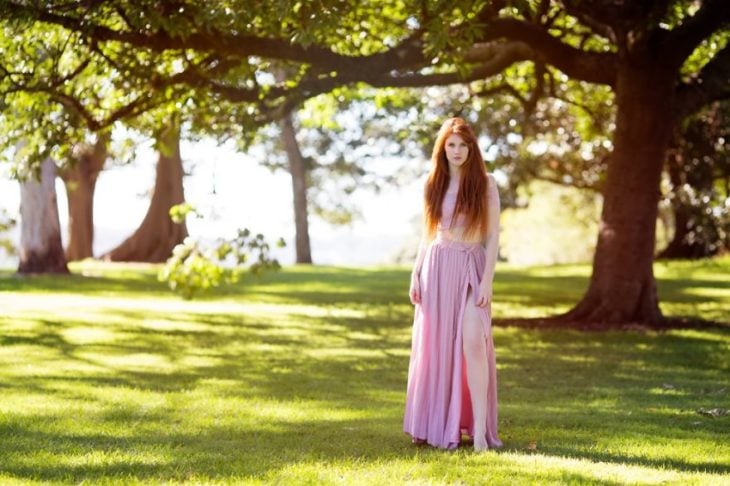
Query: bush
{"type": "Point", "coordinates": [193, 268]}
{"type": "Point", "coordinates": [6, 224]}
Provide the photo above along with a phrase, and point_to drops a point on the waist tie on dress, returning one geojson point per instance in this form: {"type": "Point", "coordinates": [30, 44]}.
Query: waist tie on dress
{"type": "Point", "coordinates": [464, 246]}
{"type": "Point", "coordinates": [472, 277]}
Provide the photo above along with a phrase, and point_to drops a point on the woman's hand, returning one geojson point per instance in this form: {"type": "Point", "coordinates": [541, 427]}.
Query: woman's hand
{"type": "Point", "coordinates": [485, 294]}
{"type": "Point", "coordinates": [415, 290]}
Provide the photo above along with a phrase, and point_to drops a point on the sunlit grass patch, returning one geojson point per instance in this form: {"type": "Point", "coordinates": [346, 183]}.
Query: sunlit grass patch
{"type": "Point", "coordinates": [300, 377]}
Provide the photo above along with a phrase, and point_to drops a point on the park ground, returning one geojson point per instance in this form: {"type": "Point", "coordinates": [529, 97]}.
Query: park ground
{"type": "Point", "coordinates": [299, 377]}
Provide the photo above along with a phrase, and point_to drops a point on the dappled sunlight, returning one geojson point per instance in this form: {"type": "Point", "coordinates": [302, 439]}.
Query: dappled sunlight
{"type": "Point", "coordinates": [549, 271]}
{"type": "Point", "coordinates": [533, 468]}
{"type": "Point", "coordinates": [87, 335]}
{"type": "Point", "coordinates": [312, 385]}
{"type": "Point", "coordinates": [711, 311]}
{"type": "Point", "coordinates": [703, 269]}
{"type": "Point", "coordinates": [131, 362]}
{"type": "Point", "coordinates": [507, 309]}
{"type": "Point", "coordinates": [86, 463]}
{"type": "Point", "coordinates": [577, 359]}
{"type": "Point", "coordinates": [596, 470]}
{"type": "Point", "coordinates": [709, 292]}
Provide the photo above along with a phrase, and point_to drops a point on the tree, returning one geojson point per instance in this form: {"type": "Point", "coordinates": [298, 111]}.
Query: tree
{"type": "Point", "coordinates": [298, 171]}
{"type": "Point", "coordinates": [320, 146]}
{"type": "Point", "coordinates": [80, 180]}
{"type": "Point", "coordinates": [698, 166]}
{"type": "Point", "coordinates": [41, 74]}
{"type": "Point", "coordinates": [662, 59]}
{"type": "Point", "coordinates": [40, 248]}
{"type": "Point", "coordinates": [158, 234]}
{"type": "Point", "coordinates": [60, 94]}
{"type": "Point", "coordinates": [40, 233]}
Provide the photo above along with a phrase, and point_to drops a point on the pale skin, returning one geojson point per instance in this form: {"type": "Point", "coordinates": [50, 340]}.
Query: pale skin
{"type": "Point", "coordinates": [457, 152]}
{"type": "Point", "coordinates": [474, 342]}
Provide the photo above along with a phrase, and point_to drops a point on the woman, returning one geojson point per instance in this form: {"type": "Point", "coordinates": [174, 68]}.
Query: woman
{"type": "Point", "coordinates": [452, 379]}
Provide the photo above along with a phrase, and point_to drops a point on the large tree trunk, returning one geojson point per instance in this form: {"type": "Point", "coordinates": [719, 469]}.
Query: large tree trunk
{"type": "Point", "coordinates": [80, 181]}
{"type": "Point", "coordinates": [622, 287]}
{"type": "Point", "coordinates": [41, 250]}
{"type": "Point", "coordinates": [158, 234]}
{"type": "Point", "coordinates": [298, 170]}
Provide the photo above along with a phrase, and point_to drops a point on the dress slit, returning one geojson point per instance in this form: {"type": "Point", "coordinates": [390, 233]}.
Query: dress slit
{"type": "Point", "coordinates": [438, 404]}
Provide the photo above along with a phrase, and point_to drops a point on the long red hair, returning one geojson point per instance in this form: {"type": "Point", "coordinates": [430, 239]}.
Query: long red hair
{"type": "Point", "coordinates": [472, 197]}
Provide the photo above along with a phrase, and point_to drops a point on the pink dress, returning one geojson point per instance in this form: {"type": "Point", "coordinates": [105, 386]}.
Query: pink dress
{"type": "Point", "coordinates": [438, 404]}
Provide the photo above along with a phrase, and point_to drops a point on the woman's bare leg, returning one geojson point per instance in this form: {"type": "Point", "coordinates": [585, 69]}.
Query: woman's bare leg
{"type": "Point", "coordinates": [477, 370]}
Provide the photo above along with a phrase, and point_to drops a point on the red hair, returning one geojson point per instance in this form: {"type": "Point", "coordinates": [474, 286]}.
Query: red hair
{"type": "Point", "coordinates": [471, 201]}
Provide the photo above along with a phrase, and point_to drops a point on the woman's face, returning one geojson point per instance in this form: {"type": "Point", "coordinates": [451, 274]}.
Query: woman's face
{"type": "Point", "coordinates": [457, 150]}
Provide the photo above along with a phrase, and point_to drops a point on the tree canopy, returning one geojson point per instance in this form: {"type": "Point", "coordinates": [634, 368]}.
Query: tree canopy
{"type": "Point", "coordinates": [228, 51]}
{"type": "Point", "coordinates": [234, 67]}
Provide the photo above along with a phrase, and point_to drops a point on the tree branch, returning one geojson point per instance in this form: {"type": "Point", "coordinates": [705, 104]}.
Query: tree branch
{"type": "Point", "coordinates": [596, 67]}
{"type": "Point", "coordinates": [501, 59]}
{"type": "Point", "coordinates": [680, 42]}
{"type": "Point", "coordinates": [71, 103]}
{"type": "Point", "coordinates": [68, 77]}
{"type": "Point", "coordinates": [75, 106]}
{"type": "Point", "coordinates": [590, 66]}
{"type": "Point", "coordinates": [594, 23]}
{"type": "Point", "coordinates": [275, 101]}
{"type": "Point", "coordinates": [488, 51]}
{"type": "Point", "coordinates": [711, 84]}
{"type": "Point", "coordinates": [504, 87]}
{"type": "Point", "coordinates": [408, 52]}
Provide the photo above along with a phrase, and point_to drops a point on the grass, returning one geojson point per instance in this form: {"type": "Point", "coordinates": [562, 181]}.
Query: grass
{"type": "Point", "coordinates": [106, 377]}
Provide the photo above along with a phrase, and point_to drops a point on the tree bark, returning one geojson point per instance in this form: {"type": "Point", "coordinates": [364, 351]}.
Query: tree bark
{"type": "Point", "coordinates": [298, 171]}
{"type": "Point", "coordinates": [622, 287]}
{"type": "Point", "coordinates": [80, 181]}
{"type": "Point", "coordinates": [155, 238]}
{"type": "Point", "coordinates": [41, 250]}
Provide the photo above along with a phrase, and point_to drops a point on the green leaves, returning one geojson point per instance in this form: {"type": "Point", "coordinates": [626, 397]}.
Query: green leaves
{"type": "Point", "coordinates": [195, 267]}
{"type": "Point", "coordinates": [6, 224]}
{"type": "Point", "coordinates": [214, 62]}
{"type": "Point", "coordinates": [179, 212]}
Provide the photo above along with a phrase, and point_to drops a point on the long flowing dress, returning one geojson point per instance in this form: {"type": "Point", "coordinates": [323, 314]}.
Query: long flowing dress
{"type": "Point", "coordinates": [438, 403]}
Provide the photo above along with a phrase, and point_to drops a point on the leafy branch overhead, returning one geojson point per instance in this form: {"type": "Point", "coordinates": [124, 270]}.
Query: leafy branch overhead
{"type": "Point", "coordinates": [230, 50]}
{"type": "Point", "coordinates": [227, 68]}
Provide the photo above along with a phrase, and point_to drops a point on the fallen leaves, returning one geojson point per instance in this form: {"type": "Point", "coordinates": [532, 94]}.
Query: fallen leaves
{"type": "Point", "coordinates": [712, 412]}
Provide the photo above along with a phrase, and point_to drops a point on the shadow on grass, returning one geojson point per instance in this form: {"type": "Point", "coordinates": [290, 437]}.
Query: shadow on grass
{"type": "Point", "coordinates": [121, 283]}
{"type": "Point", "coordinates": [515, 289]}
{"type": "Point", "coordinates": [578, 395]}
{"type": "Point", "coordinates": [291, 368]}
{"type": "Point", "coordinates": [217, 452]}
{"type": "Point", "coordinates": [560, 383]}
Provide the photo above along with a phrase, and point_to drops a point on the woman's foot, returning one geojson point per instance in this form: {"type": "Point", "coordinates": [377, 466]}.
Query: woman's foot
{"type": "Point", "coordinates": [480, 443]}
{"type": "Point", "coordinates": [418, 442]}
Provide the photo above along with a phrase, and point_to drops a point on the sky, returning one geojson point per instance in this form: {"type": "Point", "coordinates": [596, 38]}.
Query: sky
{"type": "Point", "coordinates": [246, 195]}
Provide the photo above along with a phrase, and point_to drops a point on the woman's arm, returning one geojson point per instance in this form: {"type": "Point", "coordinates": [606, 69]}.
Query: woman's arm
{"type": "Point", "coordinates": [418, 263]}
{"type": "Point", "coordinates": [415, 290]}
{"type": "Point", "coordinates": [491, 242]}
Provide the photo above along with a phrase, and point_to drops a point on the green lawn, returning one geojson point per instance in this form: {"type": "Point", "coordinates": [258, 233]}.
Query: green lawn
{"type": "Point", "coordinates": [106, 377]}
